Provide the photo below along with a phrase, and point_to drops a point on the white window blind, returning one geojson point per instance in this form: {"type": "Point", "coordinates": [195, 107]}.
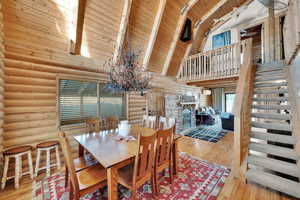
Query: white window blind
{"type": "Point", "coordinates": [79, 100]}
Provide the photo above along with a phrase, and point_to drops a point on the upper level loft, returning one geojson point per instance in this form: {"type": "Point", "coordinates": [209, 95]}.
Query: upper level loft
{"type": "Point", "coordinates": [222, 52]}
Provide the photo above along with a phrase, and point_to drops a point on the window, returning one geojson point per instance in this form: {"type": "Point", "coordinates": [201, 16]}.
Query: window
{"type": "Point", "coordinates": [112, 104]}
{"type": "Point", "coordinates": [229, 102]}
{"type": "Point", "coordinates": [79, 100]}
{"type": "Point", "coordinates": [221, 40]}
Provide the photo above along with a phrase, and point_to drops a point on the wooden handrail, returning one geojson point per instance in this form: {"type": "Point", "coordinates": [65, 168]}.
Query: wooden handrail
{"type": "Point", "coordinates": [242, 111]}
{"type": "Point", "coordinates": [218, 63]}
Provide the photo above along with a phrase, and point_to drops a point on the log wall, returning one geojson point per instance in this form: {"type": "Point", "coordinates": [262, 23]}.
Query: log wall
{"type": "Point", "coordinates": [37, 52]}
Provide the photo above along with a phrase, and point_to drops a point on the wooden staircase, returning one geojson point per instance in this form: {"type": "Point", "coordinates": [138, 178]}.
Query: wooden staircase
{"type": "Point", "coordinates": [272, 160]}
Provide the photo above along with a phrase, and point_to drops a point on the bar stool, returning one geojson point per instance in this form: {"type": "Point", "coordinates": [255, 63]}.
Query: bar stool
{"type": "Point", "coordinates": [47, 146]}
{"type": "Point", "coordinates": [17, 153]}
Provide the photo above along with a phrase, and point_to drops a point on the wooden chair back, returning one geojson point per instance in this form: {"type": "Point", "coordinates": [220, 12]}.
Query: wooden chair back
{"type": "Point", "coordinates": [66, 149]}
{"type": "Point", "coordinates": [149, 121]}
{"type": "Point", "coordinates": [112, 122]}
{"type": "Point", "coordinates": [144, 159]}
{"type": "Point", "coordinates": [164, 146]}
{"type": "Point", "coordinates": [162, 124]}
{"type": "Point", "coordinates": [93, 125]}
{"type": "Point", "coordinates": [171, 122]}
{"type": "Point", "coordinates": [145, 120]}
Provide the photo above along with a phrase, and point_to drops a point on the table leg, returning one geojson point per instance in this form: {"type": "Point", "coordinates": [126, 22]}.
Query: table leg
{"type": "Point", "coordinates": [112, 184]}
{"type": "Point", "coordinates": [175, 157]}
{"type": "Point", "coordinates": [80, 150]}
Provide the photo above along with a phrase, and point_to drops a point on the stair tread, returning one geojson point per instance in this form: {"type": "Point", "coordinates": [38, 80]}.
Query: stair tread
{"type": "Point", "coordinates": [272, 116]}
{"type": "Point", "coordinates": [275, 126]}
{"type": "Point", "coordinates": [263, 85]}
{"type": "Point", "coordinates": [274, 150]}
{"type": "Point", "coordinates": [271, 73]}
{"type": "Point", "coordinates": [272, 78]}
{"type": "Point", "coordinates": [278, 99]}
{"type": "Point", "coordinates": [270, 91]}
{"type": "Point", "coordinates": [286, 139]}
{"type": "Point", "coordinates": [275, 165]}
{"type": "Point", "coordinates": [274, 182]}
{"type": "Point", "coordinates": [272, 107]}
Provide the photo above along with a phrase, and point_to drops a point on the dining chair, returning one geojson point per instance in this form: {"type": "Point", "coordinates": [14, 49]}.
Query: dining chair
{"type": "Point", "coordinates": [112, 123]}
{"type": "Point", "coordinates": [86, 180]}
{"type": "Point", "coordinates": [149, 121]}
{"type": "Point", "coordinates": [145, 120]}
{"type": "Point", "coordinates": [163, 155]}
{"type": "Point", "coordinates": [80, 163]}
{"type": "Point", "coordinates": [93, 125]}
{"type": "Point", "coordinates": [162, 124]}
{"type": "Point", "coordinates": [136, 174]}
{"type": "Point", "coordinates": [171, 122]}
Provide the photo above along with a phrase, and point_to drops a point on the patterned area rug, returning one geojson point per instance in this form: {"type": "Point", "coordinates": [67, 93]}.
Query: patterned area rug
{"type": "Point", "coordinates": [196, 180]}
{"type": "Point", "coordinates": [211, 133]}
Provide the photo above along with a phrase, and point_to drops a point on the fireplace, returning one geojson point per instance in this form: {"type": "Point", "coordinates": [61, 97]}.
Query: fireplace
{"type": "Point", "coordinates": [183, 112]}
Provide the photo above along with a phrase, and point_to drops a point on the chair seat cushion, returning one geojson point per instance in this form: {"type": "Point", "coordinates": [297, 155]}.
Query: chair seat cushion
{"type": "Point", "coordinates": [47, 144]}
{"type": "Point", "coordinates": [91, 176]}
{"type": "Point", "coordinates": [17, 150]}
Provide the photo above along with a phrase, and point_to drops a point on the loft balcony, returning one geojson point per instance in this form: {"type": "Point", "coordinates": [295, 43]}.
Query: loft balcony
{"type": "Point", "coordinates": [221, 63]}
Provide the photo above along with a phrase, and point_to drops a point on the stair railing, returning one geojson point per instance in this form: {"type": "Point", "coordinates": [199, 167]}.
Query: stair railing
{"type": "Point", "coordinates": [242, 111]}
{"type": "Point", "coordinates": [219, 63]}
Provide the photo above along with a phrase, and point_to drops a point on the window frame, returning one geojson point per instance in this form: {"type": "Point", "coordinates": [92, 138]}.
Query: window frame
{"type": "Point", "coordinates": [98, 81]}
{"type": "Point", "coordinates": [229, 93]}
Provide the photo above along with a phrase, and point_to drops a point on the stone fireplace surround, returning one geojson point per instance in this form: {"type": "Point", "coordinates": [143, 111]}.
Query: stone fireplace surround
{"type": "Point", "coordinates": [174, 106]}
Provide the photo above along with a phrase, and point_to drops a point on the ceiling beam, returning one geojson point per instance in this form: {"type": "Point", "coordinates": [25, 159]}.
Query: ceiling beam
{"type": "Point", "coordinates": [122, 29]}
{"type": "Point", "coordinates": [196, 30]}
{"type": "Point", "coordinates": [213, 10]}
{"type": "Point", "coordinates": [76, 48]}
{"type": "Point", "coordinates": [154, 32]}
{"type": "Point", "coordinates": [177, 33]}
{"type": "Point", "coordinates": [221, 21]}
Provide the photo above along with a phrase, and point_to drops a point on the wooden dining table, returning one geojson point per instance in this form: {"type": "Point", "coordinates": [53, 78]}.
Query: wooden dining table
{"type": "Point", "coordinates": [113, 154]}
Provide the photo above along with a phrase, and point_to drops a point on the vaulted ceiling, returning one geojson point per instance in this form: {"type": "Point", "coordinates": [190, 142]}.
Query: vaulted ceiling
{"type": "Point", "coordinates": [154, 28]}
{"type": "Point", "coordinates": [142, 19]}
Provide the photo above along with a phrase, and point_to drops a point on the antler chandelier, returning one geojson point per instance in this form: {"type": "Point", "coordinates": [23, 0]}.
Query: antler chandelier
{"type": "Point", "coordinates": [127, 74]}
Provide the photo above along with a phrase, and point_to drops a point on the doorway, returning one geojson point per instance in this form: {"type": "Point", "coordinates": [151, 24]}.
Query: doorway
{"type": "Point", "coordinates": [255, 33]}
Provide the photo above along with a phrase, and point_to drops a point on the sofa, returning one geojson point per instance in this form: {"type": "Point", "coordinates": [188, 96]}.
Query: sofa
{"type": "Point", "coordinates": [227, 120]}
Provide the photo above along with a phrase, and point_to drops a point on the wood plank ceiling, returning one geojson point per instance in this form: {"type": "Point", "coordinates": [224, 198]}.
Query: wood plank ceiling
{"type": "Point", "coordinates": [168, 27]}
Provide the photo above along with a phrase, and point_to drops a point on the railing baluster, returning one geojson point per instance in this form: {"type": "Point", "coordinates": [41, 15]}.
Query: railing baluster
{"type": "Point", "coordinates": [218, 63]}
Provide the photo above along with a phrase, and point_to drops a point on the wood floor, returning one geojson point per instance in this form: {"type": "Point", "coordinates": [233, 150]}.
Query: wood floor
{"type": "Point", "coordinates": [219, 153]}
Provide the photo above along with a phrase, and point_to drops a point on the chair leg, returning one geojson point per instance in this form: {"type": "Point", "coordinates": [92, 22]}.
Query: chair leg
{"type": "Point", "coordinates": [57, 157]}
{"type": "Point", "coordinates": [66, 177]}
{"type": "Point", "coordinates": [171, 173]}
{"type": "Point", "coordinates": [17, 171]}
{"type": "Point", "coordinates": [156, 183]}
{"type": "Point", "coordinates": [133, 194]}
{"type": "Point", "coordinates": [4, 177]}
{"type": "Point", "coordinates": [154, 192]}
{"type": "Point", "coordinates": [48, 162]}
{"type": "Point", "coordinates": [71, 195]}
{"type": "Point", "coordinates": [30, 164]}
{"type": "Point", "coordinates": [37, 162]}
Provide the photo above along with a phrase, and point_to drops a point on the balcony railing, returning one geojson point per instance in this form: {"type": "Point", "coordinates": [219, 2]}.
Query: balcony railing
{"type": "Point", "coordinates": [219, 63]}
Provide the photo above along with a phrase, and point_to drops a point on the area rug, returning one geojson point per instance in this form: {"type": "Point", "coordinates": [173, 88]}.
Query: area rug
{"type": "Point", "coordinates": [196, 180]}
{"type": "Point", "coordinates": [212, 133]}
